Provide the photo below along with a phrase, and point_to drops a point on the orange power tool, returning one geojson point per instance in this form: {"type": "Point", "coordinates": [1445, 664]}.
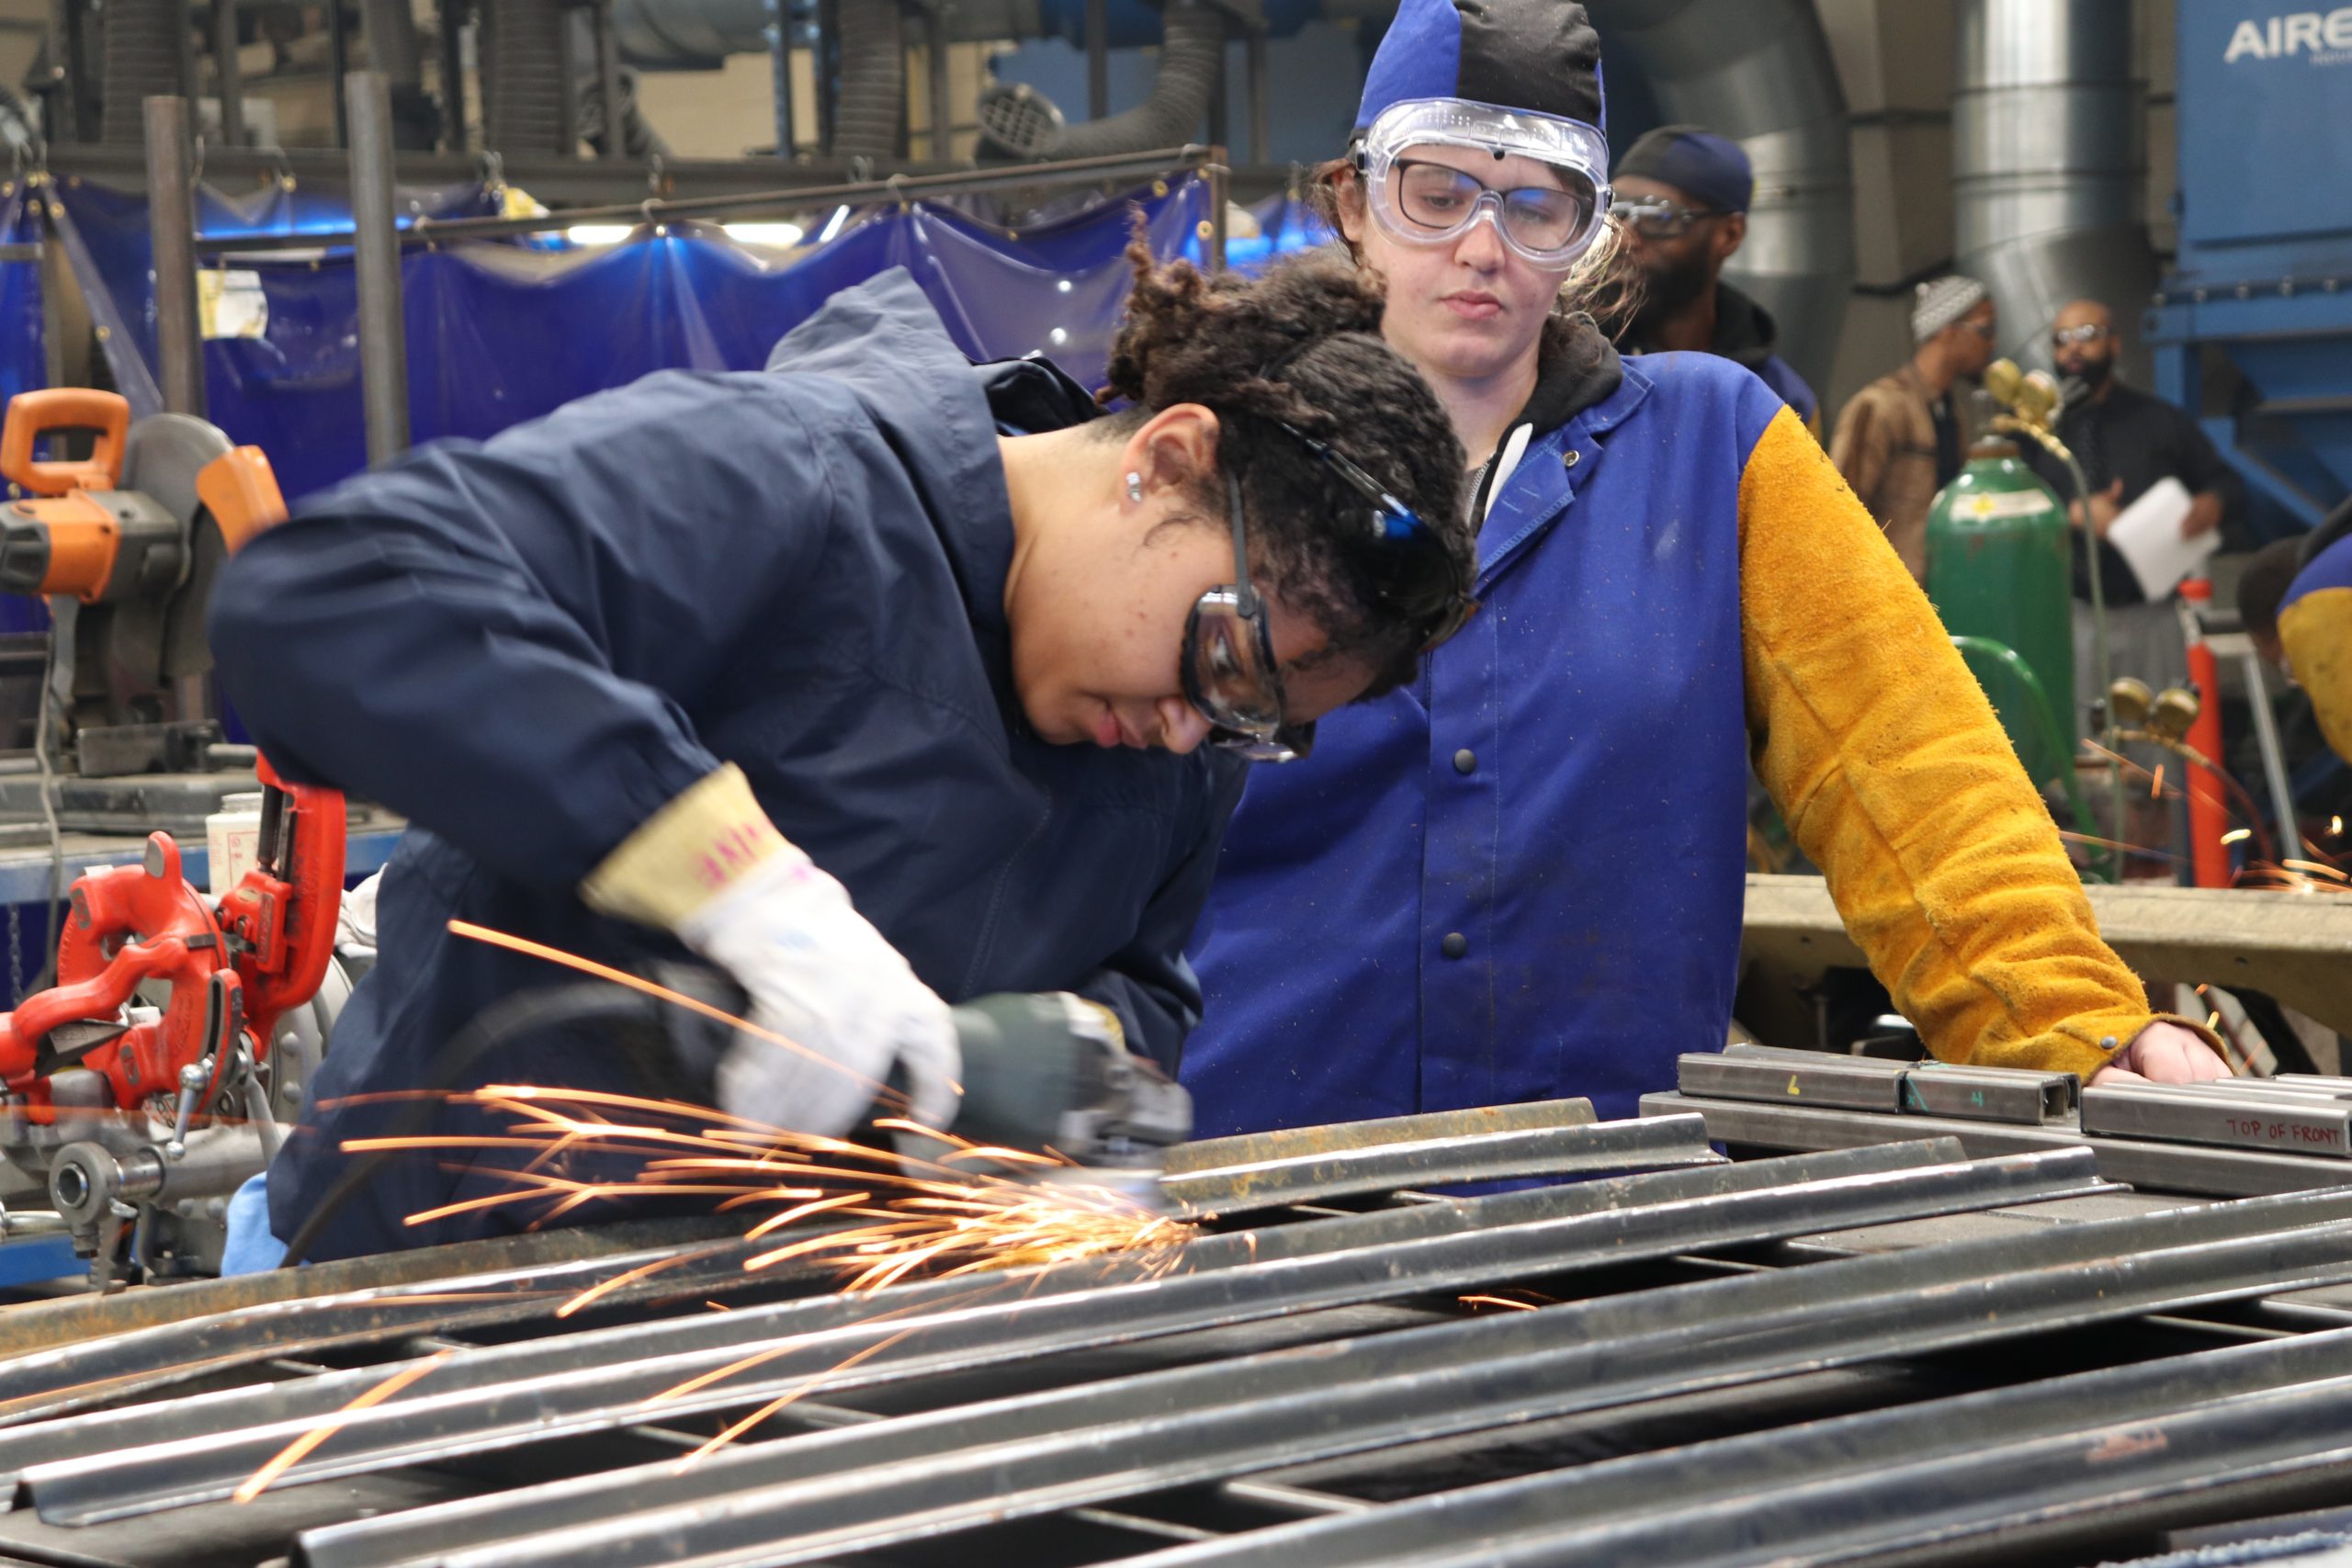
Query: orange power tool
{"type": "Point", "coordinates": [232, 968]}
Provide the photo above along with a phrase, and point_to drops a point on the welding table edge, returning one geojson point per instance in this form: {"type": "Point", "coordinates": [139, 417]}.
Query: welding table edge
{"type": "Point", "coordinates": [24, 872]}
{"type": "Point", "coordinates": [2216, 1171]}
{"type": "Point", "coordinates": [2288, 944]}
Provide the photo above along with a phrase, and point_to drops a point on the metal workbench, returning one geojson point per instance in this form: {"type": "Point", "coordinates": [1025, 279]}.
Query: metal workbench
{"type": "Point", "coordinates": [1890, 1353]}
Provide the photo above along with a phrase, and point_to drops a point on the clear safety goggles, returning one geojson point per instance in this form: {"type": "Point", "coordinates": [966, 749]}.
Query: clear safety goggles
{"type": "Point", "coordinates": [1229, 671]}
{"type": "Point", "coordinates": [1418, 201]}
{"type": "Point", "coordinates": [1229, 668]}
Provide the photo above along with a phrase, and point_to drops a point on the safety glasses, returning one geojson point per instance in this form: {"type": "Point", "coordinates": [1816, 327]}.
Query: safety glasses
{"type": "Point", "coordinates": [2089, 332]}
{"type": "Point", "coordinates": [1228, 668]}
{"type": "Point", "coordinates": [1655, 217]}
{"type": "Point", "coordinates": [1418, 201]}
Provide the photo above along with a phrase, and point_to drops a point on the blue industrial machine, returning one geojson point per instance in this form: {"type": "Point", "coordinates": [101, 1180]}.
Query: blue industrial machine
{"type": "Point", "coordinates": [2264, 273]}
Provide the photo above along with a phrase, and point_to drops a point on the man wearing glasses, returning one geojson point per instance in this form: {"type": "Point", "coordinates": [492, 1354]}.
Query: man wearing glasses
{"type": "Point", "coordinates": [1902, 437]}
{"type": "Point", "coordinates": [2126, 440]}
{"type": "Point", "coordinates": [1682, 194]}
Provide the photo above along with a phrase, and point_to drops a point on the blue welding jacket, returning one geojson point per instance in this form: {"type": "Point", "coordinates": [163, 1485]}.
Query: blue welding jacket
{"type": "Point", "coordinates": [528, 645]}
{"type": "Point", "coordinates": [1522, 877]}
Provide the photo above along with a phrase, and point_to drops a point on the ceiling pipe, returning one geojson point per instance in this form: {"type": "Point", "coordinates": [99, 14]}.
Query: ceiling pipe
{"type": "Point", "coordinates": [2049, 165]}
{"type": "Point", "coordinates": [1760, 72]}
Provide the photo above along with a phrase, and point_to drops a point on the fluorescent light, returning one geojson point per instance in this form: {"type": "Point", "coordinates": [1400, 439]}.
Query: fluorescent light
{"type": "Point", "coordinates": [782, 236]}
{"type": "Point", "coordinates": [833, 224]}
{"type": "Point", "coordinates": [598, 233]}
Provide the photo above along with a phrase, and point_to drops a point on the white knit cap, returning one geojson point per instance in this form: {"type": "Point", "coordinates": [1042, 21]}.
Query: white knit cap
{"type": "Point", "coordinates": [1940, 303]}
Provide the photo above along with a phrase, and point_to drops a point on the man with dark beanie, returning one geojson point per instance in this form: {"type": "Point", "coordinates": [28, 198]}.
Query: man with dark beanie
{"type": "Point", "coordinates": [1682, 194]}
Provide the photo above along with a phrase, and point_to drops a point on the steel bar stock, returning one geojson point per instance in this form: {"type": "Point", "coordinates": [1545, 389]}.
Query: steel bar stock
{"type": "Point", "coordinates": [803, 1498]}
{"type": "Point", "coordinates": [1938, 1471]}
{"type": "Point", "coordinates": [611, 1378]}
{"type": "Point", "coordinates": [67, 1377]}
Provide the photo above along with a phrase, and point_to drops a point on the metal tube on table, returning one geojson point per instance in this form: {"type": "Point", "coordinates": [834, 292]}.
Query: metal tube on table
{"type": "Point", "coordinates": [219, 1447]}
{"type": "Point", "coordinates": [1849, 1476]}
{"type": "Point", "coordinates": [804, 1499]}
{"type": "Point", "coordinates": [2202, 1169]}
{"type": "Point", "coordinates": [1990, 1094]}
{"type": "Point", "coordinates": [2299, 1123]}
{"type": "Point", "coordinates": [229, 75]}
{"type": "Point", "coordinates": [113, 1365]}
{"type": "Point", "coordinates": [1314, 1177]}
{"type": "Point", "coordinates": [1935, 1089]}
{"type": "Point", "coordinates": [171, 225]}
{"type": "Point", "coordinates": [1852, 1083]}
{"type": "Point", "coordinates": [1248, 1148]}
{"type": "Point", "coordinates": [383, 334]}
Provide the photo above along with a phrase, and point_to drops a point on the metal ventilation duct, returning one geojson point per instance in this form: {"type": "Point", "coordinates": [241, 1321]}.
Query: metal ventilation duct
{"type": "Point", "coordinates": [1759, 72]}
{"type": "Point", "coordinates": [2049, 162]}
{"type": "Point", "coordinates": [525, 83]}
{"type": "Point", "coordinates": [146, 53]}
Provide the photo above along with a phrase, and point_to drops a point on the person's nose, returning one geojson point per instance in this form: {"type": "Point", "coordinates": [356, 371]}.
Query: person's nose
{"type": "Point", "coordinates": [1183, 726]}
{"type": "Point", "coordinates": [1481, 246]}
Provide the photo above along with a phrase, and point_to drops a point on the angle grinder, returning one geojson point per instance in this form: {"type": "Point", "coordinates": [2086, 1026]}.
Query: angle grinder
{"type": "Point", "coordinates": [1051, 1070]}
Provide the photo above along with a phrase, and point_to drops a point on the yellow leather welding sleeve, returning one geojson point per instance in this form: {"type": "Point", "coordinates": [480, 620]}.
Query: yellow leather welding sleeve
{"type": "Point", "coordinates": [1885, 758]}
{"type": "Point", "coordinates": [2317, 632]}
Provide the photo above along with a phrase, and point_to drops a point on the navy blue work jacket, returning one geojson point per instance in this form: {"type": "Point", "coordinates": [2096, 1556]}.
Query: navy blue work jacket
{"type": "Point", "coordinates": [529, 646]}
{"type": "Point", "coordinates": [1522, 877]}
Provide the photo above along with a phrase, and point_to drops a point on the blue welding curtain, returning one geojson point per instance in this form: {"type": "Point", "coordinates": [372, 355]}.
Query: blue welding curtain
{"type": "Point", "coordinates": [499, 333]}
{"type": "Point", "coordinates": [24, 364]}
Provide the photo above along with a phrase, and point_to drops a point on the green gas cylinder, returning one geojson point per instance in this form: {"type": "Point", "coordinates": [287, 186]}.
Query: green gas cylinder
{"type": "Point", "coordinates": [1999, 571]}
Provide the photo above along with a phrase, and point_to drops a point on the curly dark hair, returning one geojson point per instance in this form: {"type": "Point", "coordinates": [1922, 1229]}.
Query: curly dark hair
{"type": "Point", "coordinates": [1301, 346]}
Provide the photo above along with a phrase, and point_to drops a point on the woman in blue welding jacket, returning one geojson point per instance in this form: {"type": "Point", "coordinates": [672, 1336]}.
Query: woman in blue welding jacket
{"type": "Point", "coordinates": [878, 679]}
{"type": "Point", "coordinates": [1521, 877]}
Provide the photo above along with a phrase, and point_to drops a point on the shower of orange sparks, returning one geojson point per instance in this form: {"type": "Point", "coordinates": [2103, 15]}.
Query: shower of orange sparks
{"type": "Point", "coordinates": [929, 1215]}
{"type": "Point", "coordinates": [296, 1451]}
{"type": "Point", "coordinates": [951, 1219]}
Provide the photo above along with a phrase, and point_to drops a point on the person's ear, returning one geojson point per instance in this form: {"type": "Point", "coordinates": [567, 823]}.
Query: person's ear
{"type": "Point", "coordinates": [1175, 451]}
{"type": "Point", "coordinates": [1728, 235]}
{"type": "Point", "coordinates": [1347, 192]}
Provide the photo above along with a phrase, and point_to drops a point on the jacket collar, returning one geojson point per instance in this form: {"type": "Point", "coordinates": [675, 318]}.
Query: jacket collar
{"type": "Point", "coordinates": [1559, 463]}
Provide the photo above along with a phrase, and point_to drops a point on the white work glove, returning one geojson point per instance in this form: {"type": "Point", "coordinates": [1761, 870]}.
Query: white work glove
{"type": "Point", "coordinates": [712, 868]}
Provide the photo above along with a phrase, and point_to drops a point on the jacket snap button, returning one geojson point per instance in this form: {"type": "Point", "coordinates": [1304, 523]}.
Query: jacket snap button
{"type": "Point", "coordinates": [1465, 761]}
{"type": "Point", "coordinates": [1568, 458]}
{"type": "Point", "coordinates": [1455, 945]}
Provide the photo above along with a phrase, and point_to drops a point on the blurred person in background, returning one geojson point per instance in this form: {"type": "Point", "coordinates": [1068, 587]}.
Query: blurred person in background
{"type": "Point", "coordinates": [2126, 440]}
{"type": "Point", "coordinates": [1902, 438]}
{"type": "Point", "coordinates": [1682, 196]}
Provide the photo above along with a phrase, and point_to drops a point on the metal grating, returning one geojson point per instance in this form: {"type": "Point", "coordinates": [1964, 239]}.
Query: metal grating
{"type": "Point", "coordinates": [1883, 1353]}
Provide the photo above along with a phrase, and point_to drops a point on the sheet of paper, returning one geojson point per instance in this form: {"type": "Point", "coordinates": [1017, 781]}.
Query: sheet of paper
{"type": "Point", "coordinates": [2147, 534]}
